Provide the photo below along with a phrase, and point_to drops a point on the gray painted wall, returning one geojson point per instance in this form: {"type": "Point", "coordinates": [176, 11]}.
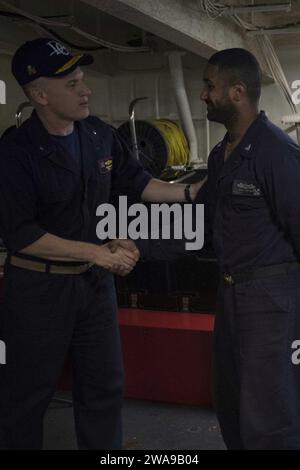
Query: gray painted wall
{"type": "Point", "coordinates": [147, 75]}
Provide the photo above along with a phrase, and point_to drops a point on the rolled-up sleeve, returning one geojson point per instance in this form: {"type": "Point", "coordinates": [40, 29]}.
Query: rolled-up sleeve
{"type": "Point", "coordinates": [164, 250]}
{"type": "Point", "coordinates": [18, 201]}
{"type": "Point", "coordinates": [129, 176]}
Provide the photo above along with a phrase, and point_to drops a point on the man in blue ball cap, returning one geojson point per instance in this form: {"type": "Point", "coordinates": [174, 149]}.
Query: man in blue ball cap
{"type": "Point", "coordinates": [55, 170]}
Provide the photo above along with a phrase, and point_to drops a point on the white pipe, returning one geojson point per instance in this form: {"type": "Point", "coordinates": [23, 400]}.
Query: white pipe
{"type": "Point", "coordinates": [18, 115]}
{"type": "Point", "coordinates": [207, 139]}
{"type": "Point", "coordinates": [157, 116]}
{"type": "Point", "coordinates": [183, 103]}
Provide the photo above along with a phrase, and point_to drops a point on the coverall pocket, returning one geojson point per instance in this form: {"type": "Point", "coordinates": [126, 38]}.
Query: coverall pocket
{"type": "Point", "coordinates": [60, 196]}
{"type": "Point", "coordinates": [26, 284]}
{"type": "Point", "coordinates": [245, 203]}
{"type": "Point", "coordinates": [32, 300]}
{"type": "Point", "coordinates": [267, 295]}
{"type": "Point", "coordinates": [59, 186]}
{"type": "Point", "coordinates": [277, 289]}
{"type": "Point", "coordinates": [103, 183]}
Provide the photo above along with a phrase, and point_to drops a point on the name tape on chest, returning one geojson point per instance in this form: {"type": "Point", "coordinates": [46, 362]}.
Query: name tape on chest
{"type": "Point", "coordinates": [245, 188]}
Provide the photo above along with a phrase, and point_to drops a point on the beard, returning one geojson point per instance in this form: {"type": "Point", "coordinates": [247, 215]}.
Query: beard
{"type": "Point", "coordinates": [222, 113]}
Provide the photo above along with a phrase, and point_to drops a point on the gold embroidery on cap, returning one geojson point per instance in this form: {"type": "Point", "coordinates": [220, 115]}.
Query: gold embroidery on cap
{"type": "Point", "coordinates": [69, 63]}
{"type": "Point", "coordinates": [31, 70]}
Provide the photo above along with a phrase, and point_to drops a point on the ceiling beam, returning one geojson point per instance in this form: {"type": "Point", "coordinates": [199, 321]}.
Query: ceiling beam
{"type": "Point", "coordinates": [181, 23]}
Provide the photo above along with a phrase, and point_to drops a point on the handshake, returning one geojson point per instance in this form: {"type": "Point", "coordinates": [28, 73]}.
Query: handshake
{"type": "Point", "coordinates": [117, 256]}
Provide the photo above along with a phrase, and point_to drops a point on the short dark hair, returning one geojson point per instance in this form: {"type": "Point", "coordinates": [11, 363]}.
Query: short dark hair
{"type": "Point", "coordinates": [240, 65]}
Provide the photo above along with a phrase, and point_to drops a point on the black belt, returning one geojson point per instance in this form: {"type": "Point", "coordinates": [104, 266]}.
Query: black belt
{"type": "Point", "coordinates": [48, 266]}
{"type": "Point", "coordinates": [260, 273]}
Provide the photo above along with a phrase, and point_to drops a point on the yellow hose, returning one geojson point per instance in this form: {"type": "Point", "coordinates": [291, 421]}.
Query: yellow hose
{"type": "Point", "coordinates": [178, 149]}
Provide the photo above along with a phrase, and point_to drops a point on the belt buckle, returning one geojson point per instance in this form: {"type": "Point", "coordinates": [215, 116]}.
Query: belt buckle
{"type": "Point", "coordinates": [228, 278]}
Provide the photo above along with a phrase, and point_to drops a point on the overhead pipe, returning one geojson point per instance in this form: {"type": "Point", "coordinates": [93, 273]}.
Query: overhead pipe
{"type": "Point", "coordinates": [183, 105]}
{"type": "Point", "coordinates": [207, 138]}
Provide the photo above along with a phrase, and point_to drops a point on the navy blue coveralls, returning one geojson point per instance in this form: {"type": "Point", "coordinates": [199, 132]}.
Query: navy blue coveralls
{"type": "Point", "coordinates": [254, 200]}
{"type": "Point", "coordinates": [252, 208]}
{"type": "Point", "coordinates": [43, 314]}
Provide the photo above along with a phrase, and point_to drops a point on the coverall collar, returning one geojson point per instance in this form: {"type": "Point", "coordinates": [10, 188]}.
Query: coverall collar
{"type": "Point", "coordinates": [246, 147]}
{"type": "Point", "coordinates": [45, 146]}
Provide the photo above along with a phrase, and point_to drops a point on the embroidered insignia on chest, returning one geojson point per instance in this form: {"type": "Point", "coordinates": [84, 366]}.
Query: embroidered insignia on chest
{"type": "Point", "coordinates": [105, 165]}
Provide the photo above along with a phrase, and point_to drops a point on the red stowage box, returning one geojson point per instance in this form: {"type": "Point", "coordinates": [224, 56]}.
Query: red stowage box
{"type": "Point", "coordinates": [167, 355]}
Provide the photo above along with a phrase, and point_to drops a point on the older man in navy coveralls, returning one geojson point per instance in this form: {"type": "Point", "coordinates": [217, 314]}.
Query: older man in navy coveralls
{"type": "Point", "coordinates": [59, 294]}
{"type": "Point", "coordinates": [252, 202]}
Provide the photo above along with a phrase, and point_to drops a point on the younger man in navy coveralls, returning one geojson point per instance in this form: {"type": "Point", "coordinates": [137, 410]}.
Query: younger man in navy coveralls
{"type": "Point", "coordinates": [252, 201]}
{"type": "Point", "coordinates": [253, 196]}
{"type": "Point", "coordinates": [54, 173]}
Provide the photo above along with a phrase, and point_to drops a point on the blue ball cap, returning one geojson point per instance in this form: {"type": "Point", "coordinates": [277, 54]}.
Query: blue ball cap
{"type": "Point", "coordinates": [45, 57]}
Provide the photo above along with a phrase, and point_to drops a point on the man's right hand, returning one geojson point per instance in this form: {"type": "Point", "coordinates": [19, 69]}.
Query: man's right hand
{"type": "Point", "coordinates": [121, 261]}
